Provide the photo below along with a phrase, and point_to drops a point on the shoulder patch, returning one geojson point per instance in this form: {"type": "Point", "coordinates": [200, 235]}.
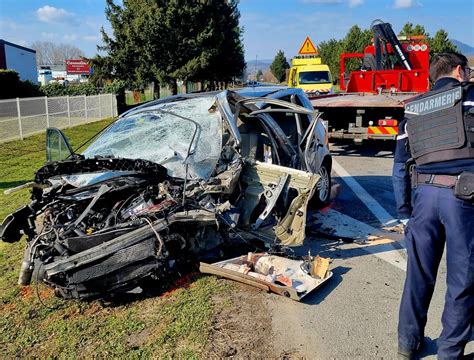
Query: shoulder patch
{"type": "Point", "coordinates": [436, 102]}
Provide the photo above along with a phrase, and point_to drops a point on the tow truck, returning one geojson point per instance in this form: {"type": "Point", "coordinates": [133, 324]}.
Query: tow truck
{"type": "Point", "coordinates": [371, 103]}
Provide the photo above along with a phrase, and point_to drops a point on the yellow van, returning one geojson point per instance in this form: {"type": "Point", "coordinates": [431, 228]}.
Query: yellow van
{"type": "Point", "coordinates": [309, 74]}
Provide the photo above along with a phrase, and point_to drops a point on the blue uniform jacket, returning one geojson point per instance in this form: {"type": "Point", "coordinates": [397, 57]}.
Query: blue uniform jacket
{"type": "Point", "coordinates": [401, 153]}
{"type": "Point", "coordinates": [452, 167]}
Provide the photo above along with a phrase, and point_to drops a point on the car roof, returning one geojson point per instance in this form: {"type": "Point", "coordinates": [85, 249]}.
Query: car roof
{"type": "Point", "coordinates": [259, 91]}
{"type": "Point", "coordinates": [273, 91]}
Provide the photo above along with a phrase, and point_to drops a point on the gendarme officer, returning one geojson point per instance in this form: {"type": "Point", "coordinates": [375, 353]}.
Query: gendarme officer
{"type": "Point", "coordinates": [440, 127]}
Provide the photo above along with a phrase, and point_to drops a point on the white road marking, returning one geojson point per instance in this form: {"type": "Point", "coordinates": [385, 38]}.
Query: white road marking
{"type": "Point", "coordinates": [380, 213]}
{"type": "Point", "coordinates": [347, 226]}
{"type": "Point", "coordinates": [386, 252]}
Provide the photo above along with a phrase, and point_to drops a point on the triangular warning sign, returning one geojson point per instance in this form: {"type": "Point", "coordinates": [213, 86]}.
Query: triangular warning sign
{"type": "Point", "coordinates": [308, 47]}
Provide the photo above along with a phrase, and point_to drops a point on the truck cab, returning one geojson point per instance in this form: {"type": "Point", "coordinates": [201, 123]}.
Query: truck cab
{"type": "Point", "coordinates": [309, 74]}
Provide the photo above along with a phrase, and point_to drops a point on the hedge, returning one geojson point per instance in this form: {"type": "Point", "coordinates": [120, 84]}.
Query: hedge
{"type": "Point", "coordinates": [12, 87]}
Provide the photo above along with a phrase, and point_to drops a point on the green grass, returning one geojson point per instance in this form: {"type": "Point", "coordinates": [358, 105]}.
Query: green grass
{"type": "Point", "coordinates": [171, 326]}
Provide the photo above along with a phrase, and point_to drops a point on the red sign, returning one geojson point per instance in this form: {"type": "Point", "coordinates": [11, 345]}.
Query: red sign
{"type": "Point", "coordinates": [77, 67]}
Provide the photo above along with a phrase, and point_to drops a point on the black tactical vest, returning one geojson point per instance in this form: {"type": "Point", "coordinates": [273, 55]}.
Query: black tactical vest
{"type": "Point", "coordinates": [438, 129]}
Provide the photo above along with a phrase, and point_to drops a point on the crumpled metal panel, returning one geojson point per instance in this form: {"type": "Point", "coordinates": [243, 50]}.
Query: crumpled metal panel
{"type": "Point", "coordinates": [226, 112]}
{"type": "Point", "coordinates": [291, 228]}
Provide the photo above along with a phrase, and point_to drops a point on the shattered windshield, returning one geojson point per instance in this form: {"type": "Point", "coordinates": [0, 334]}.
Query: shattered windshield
{"type": "Point", "coordinates": [164, 134]}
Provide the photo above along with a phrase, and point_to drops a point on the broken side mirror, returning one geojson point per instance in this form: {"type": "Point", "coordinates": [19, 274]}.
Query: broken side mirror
{"type": "Point", "coordinates": [57, 145]}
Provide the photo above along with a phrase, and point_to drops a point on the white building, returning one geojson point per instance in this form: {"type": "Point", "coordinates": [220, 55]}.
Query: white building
{"type": "Point", "coordinates": [57, 73]}
{"type": "Point", "coordinates": [20, 59]}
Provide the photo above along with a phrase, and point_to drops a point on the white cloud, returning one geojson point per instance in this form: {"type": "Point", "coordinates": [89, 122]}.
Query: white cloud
{"type": "Point", "coordinates": [70, 37]}
{"type": "Point", "coordinates": [321, 1]}
{"type": "Point", "coordinates": [354, 3]}
{"type": "Point", "coordinates": [92, 38]}
{"type": "Point", "coordinates": [48, 35]}
{"type": "Point", "coordinates": [351, 3]}
{"type": "Point", "coordinates": [405, 4]}
{"type": "Point", "coordinates": [11, 25]}
{"type": "Point", "coordinates": [51, 14]}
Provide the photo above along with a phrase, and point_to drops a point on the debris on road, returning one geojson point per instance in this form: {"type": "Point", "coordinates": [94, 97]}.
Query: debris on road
{"type": "Point", "coordinates": [399, 228]}
{"type": "Point", "coordinates": [291, 278]}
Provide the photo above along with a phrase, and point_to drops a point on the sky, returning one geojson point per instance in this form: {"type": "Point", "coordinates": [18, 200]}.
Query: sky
{"type": "Point", "coordinates": [269, 25]}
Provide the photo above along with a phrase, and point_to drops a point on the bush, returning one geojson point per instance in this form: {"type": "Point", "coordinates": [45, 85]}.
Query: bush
{"type": "Point", "coordinates": [54, 89]}
{"type": "Point", "coordinates": [82, 89]}
{"type": "Point", "coordinates": [11, 86]}
{"type": "Point", "coordinates": [28, 88]}
{"type": "Point", "coordinates": [9, 77]}
{"type": "Point", "coordinates": [116, 87]}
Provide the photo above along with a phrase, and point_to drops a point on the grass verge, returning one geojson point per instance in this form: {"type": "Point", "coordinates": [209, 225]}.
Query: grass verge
{"type": "Point", "coordinates": [173, 325]}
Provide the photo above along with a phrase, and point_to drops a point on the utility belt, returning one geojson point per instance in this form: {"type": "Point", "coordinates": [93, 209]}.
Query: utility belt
{"type": "Point", "coordinates": [462, 184]}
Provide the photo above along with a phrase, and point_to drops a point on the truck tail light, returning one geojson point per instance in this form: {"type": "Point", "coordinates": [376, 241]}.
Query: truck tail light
{"type": "Point", "coordinates": [388, 122]}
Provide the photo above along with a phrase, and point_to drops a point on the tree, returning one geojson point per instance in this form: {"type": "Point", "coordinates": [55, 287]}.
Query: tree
{"type": "Point", "coordinates": [268, 76]}
{"type": "Point", "coordinates": [357, 39]}
{"type": "Point", "coordinates": [166, 40]}
{"type": "Point", "coordinates": [48, 53]}
{"type": "Point", "coordinates": [354, 42]}
{"type": "Point", "coordinates": [441, 43]}
{"type": "Point", "coordinates": [127, 57]}
{"type": "Point", "coordinates": [259, 75]}
{"type": "Point", "coordinates": [227, 60]}
{"type": "Point", "coordinates": [13, 87]}
{"type": "Point", "coordinates": [406, 30]}
{"type": "Point", "coordinates": [279, 66]}
{"type": "Point", "coordinates": [330, 52]}
{"type": "Point", "coordinates": [409, 30]}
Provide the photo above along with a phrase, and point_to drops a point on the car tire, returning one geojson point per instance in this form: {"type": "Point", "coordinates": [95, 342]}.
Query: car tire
{"type": "Point", "coordinates": [322, 193]}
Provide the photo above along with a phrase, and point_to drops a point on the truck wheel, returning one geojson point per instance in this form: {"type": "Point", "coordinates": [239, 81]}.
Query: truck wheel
{"type": "Point", "coordinates": [322, 193]}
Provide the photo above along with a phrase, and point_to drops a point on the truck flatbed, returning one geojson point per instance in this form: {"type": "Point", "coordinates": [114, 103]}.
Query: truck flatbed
{"type": "Point", "coordinates": [358, 116]}
{"type": "Point", "coordinates": [362, 100]}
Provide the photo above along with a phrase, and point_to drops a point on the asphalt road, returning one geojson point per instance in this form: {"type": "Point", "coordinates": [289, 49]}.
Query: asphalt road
{"type": "Point", "coordinates": [356, 314]}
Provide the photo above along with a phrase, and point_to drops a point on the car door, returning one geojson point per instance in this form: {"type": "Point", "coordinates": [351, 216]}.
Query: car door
{"type": "Point", "coordinates": [282, 107]}
{"type": "Point", "coordinates": [314, 144]}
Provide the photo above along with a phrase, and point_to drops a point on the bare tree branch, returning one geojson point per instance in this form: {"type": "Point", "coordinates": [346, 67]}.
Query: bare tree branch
{"type": "Point", "coordinates": [48, 53]}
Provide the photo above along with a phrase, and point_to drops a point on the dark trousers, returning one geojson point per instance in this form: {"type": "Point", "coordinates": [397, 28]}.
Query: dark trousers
{"type": "Point", "coordinates": [402, 190]}
{"type": "Point", "coordinates": [439, 218]}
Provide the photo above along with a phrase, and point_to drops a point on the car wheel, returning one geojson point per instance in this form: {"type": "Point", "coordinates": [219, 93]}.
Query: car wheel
{"type": "Point", "coordinates": [322, 192]}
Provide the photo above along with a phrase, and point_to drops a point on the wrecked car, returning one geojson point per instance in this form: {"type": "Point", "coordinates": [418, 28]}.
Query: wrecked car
{"type": "Point", "coordinates": [169, 180]}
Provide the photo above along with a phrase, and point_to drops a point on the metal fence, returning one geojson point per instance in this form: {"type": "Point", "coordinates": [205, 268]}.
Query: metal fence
{"type": "Point", "coordinates": [27, 116]}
